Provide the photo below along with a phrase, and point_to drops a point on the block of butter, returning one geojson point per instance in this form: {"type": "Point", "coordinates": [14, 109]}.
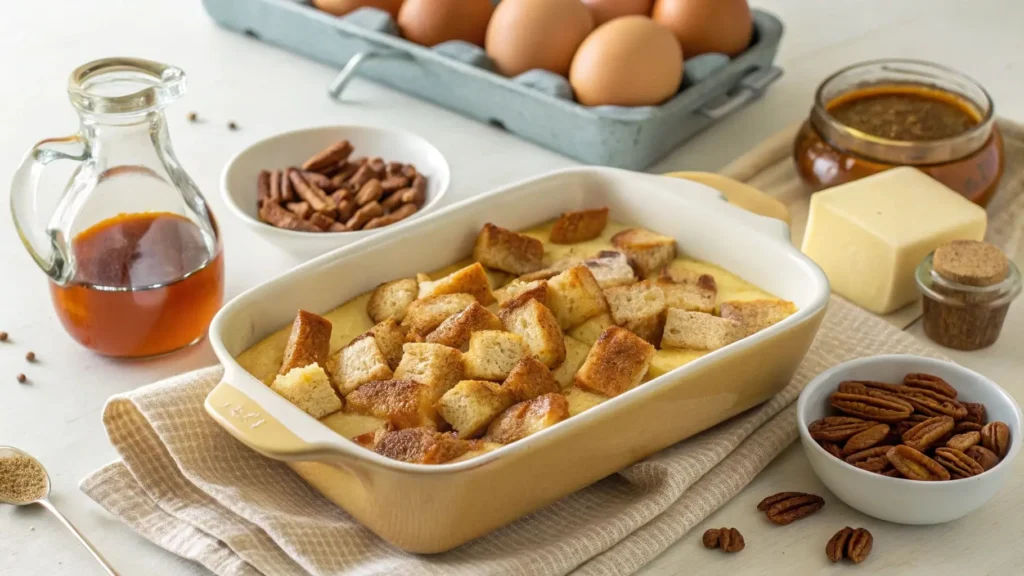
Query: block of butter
{"type": "Point", "coordinates": [870, 235]}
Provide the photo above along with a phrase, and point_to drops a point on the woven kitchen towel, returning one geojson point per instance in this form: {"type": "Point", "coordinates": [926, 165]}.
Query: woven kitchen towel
{"type": "Point", "coordinates": [186, 485]}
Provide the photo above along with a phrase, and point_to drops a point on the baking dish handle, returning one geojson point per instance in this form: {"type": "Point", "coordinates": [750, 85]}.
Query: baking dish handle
{"type": "Point", "coordinates": [337, 86]}
{"type": "Point", "coordinates": [771, 226]}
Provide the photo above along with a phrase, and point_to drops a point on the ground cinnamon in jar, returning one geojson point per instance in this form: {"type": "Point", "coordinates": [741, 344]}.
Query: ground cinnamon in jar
{"type": "Point", "coordinates": [968, 287]}
{"type": "Point", "coordinates": [22, 480]}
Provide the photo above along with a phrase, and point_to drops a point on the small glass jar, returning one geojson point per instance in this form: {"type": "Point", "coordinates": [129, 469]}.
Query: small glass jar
{"type": "Point", "coordinates": [963, 316]}
{"type": "Point", "coordinates": [829, 152]}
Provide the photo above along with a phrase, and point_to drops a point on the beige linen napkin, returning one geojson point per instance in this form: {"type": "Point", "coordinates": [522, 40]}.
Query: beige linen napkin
{"type": "Point", "coordinates": [186, 485]}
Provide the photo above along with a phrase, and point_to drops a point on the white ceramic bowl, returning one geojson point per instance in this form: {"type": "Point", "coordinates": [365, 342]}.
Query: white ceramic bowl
{"type": "Point", "coordinates": [238, 181]}
{"type": "Point", "coordinates": [896, 499]}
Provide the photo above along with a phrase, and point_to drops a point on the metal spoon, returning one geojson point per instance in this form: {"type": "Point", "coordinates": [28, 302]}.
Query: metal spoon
{"type": "Point", "coordinates": [44, 501]}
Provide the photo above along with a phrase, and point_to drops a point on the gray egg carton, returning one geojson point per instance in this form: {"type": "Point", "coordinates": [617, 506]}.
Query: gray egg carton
{"type": "Point", "coordinates": [536, 105]}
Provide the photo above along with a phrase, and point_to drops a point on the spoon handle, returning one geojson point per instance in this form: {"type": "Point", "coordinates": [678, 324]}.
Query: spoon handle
{"type": "Point", "coordinates": [45, 503]}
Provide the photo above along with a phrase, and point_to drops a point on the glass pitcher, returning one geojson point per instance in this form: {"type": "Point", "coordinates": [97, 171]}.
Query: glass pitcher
{"type": "Point", "coordinates": [131, 248]}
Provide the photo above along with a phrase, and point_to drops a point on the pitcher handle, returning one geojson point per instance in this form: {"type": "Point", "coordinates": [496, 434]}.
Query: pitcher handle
{"type": "Point", "coordinates": [48, 252]}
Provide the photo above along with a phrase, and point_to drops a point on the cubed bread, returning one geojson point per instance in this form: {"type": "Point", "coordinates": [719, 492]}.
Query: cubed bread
{"type": "Point", "coordinates": [756, 315]}
{"type": "Point", "coordinates": [492, 354]}
{"type": "Point", "coordinates": [516, 292]}
{"type": "Point", "coordinates": [639, 308]}
{"type": "Point", "coordinates": [680, 274]}
{"type": "Point", "coordinates": [356, 364]}
{"type": "Point", "coordinates": [392, 299]}
{"type": "Point", "coordinates": [506, 250]}
{"type": "Point", "coordinates": [575, 297]}
{"type": "Point", "coordinates": [308, 343]}
{"type": "Point", "coordinates": [309, 389]}
{"type": "Point", "coordinates": [416, 445]}
{"type": "Point", "coordinates": [591, 330]}
{"type": "Point", "coordinates": [553, 270]}
{"type": "Point", "coordinates": [692, 297]}
{"type": "Point", "coordinates": [530, 378]}
{"type": "Point", "coordinates": [528, 417]}
{"type": "Point", "coordinates": [469, 280]}
{"type": "Point", "coordinates": [471, 405]}
{"type": "Point", "coordinates": [539, 328]}
{"type": "Point", "coordinates": [611, 268]}
{"type": "Point", "coordinates": [698, 330]}
{"type": "Point", "coordinates": [437, 366]}
{"type": "Point", "coordinates": [617, 363]}
{"type": "Point", "coordinates": [426, 314]}
{"type": "Point", "coordinates": [648, 250]}
{"type": "Point", "coordinates": [455, 330]}
{"type": "Point", "coordinates": [579, 226]}
{"type": "Point", "coordinates": [575, 355]}
{"type": "Point", "coordinates": [580, 400]}
{"type": "Point", "coordinates": [390, 337]}
{"type": "Point", "coordinates": [401, 403]}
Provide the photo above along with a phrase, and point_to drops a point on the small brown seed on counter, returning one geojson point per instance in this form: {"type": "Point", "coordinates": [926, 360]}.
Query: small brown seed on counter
{"type": "Point", "coordinates": [30, 356]}
{"type": "Point", "coordinates": [192, 116]}
{"type": "Point", "coordinates": [3, 336]}
{"type": "Point", "coordinates": [232, 125]}
{"type": "Point", "coordinates": [22, 378]}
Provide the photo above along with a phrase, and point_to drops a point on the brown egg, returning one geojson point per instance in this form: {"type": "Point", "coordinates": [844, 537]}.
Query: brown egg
{"type": "Point", "coordinates": [528, 34]}
{"type": "Point", "coordinates": [707, 25]}
{"type": "Point", "coordinates": [629, 61]}
{"type": "Point", "coordinates": [342, 7]}
{"type": "Point", "coordinates": [430, 22]}
{"type": "Point", "coordinates": [605, 10]}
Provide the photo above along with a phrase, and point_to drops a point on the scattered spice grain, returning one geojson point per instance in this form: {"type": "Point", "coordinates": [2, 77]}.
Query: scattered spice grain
{"type": "Point", "coordinates": [232, 125]}
{"type": "Point", "coordinates": [22, 480]}
{"type": "Point", "coordinates": [3, 336]}
{"type": "Point", "coordinates": [192, 116]}
{"type": "Point", "coordinates": [22, 378]}
{"type": "Point", "coordinates": [30, 356]}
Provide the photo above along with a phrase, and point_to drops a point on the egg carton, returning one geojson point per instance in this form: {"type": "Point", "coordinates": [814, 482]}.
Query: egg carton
{"type": "Point", "coordinates": [536, 105]}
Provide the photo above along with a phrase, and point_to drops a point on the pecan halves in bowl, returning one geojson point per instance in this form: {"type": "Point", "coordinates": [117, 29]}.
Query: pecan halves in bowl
{"type": "Point", "coordinates": [928, 433]}
{"type": "Point", "coordinates": [964, 441]}
{"type": "Point", "coordinates": [930, 382]}
{"type": "Point", "coordinates": [914, 465]}
{"type": "Point", "coordinates": [872, 459]}
{"type": "Point", "coordinates": [983, 456]}
{"type": "Point", "coordinates": [837, 428]}
{"type": "Point", "coordinates": [933, 403]}
{"type": "Point", "coordinates": [866, 439]}
{"type": "Point", "coordinates": [849, 543]}
{"type": "Point", "coordinates": [787, 507]}
{"type": "Point", "coordinates": [996, 437]}
{"type": "Point", "coordinates": [960, 465]}
{"type": "Point", "coordinates": [888, 410]}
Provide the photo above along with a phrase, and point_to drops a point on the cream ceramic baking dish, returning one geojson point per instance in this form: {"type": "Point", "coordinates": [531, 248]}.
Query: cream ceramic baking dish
{"type": "Point", "coordinates": [430, 509]}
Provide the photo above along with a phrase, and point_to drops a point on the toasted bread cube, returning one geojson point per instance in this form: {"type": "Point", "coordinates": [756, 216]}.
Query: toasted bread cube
{"type": "Point", "coordinates": [392, 299]}
{"type": "Point", "coordinates": [553, 270]}
{"type": "Point", "coordinates": [530, 378]}
{"type": "Point", "coordinates": [591, 330]}
{"type": "Point", "coordinates": [309, 389]}
{"type": "Point", "coordinates": [528, 417]}
{"type": "Point", "coordinates": [692, 297]}
{"type": "Point", "coordinates": [401, 403]}
{"type": "Point", "coordinates": [648, 250]}
{"type": "Point", "coordinates": [580, 400]}
{"type": "Point", "coordinates": [308, 343]}
{"type": "Point", "coordinates": [493, 353]}
{"type": "Point", "coordinates": [506, 250]}
{"type": "Point", "coordinates": [415, 445]}
{"type": "Point", "coordinates": [390, 337]}
{"type": "Point", "coordinates": [471, 405]}
{"type": "Point", "coordinates": [682, 275]}
{"type": "Point", "coordinates": [437, 366]}
{"type": "Point", "coordinates": [639, 308]}
{"type": "Point", "coordinates": [575, 297]}
{"type": "Point", "coordinates": [426, 314]}
{"type": "Point", "coordinates": [469, 280]}
{"type": "Point", "coordinates": [455, 331]}
{"type": "Point", "coordinates": [756, 315]}
{"type": "Point", "coordinates": [579, 226]}
{"type": "Point", "coordinates": [698, 330]}
{"type": "Point", "coordinates": [539, 328]}
{"type": "Point", "coordinates": [356, 364]}
{"type": "Point", "coordinates": [617, 363]}
{"type": "Point", "coordinates": [611, 268]}
{"type": "Point", "coordinates": [575, 355]}
{"type": "Point", "coordinates": [516, 292]}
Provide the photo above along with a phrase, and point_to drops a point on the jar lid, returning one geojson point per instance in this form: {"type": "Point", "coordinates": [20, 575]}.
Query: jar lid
{"type": "Point", "coordinates": [971, 263]}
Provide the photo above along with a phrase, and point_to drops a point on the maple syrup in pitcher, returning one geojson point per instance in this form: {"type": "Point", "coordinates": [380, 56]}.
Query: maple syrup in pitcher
{"type": "Point", "coordinates": [131, 248]}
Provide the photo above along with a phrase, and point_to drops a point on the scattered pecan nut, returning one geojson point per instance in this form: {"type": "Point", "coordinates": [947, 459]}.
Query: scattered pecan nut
{"type": "Point", "coordinates": [849, 543]}
{"type": "Point", "coordinates": [788, 507]}
{"type": "Point", "coordinates": [726, 539]}
{"type": "Point", "coordinates": [964, 441]}
{"type": "Point", "coordinates": [960, 465]}
{"type": "Point", "coordinates": [890, 410]}
{"type": "Point", "coordinates": [930, 382]}
{"type": "Point", "coordinates": [996, 437]}
{"type": "Point", "coordinates": [914, 465]}
{"type": "Point", "coordinates": [837, 428]}
{"type": "Point", "coordinates": [866, 439]}
{"type": "Point", "coordinates": [983, 456]}
{"type": "Point", "coordinates": [928, 433]}
{"type": "Point", "coordinates": [835, 550]}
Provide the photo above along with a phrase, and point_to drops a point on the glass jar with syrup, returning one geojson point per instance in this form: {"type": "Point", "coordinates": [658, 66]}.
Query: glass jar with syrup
{"type": "Point", "coordinates": [877, 115]}
{"type": "Point", "coordinates": [129, 244]}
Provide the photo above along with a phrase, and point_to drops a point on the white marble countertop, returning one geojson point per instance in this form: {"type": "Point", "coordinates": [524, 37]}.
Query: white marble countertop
{"type": "Point", "coordinates": [266, 90]}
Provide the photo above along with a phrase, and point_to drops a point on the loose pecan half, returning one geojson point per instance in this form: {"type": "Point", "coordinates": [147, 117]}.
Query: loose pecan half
{"type": "Point", "coordinates": [996, 437]}
{"type": "Point", "coordinates": [964, 441]}
{"type": "Point", "coordinates": [866, 439]}
{"type": "Point", "coordinates": [789, 510]}
{"type": "Point", "coordinates": [837, 428]}
{"type": "Point", "coordinates": [933, 404]}
{"type": "Point", "coordinates": [872, 459]}
{"type": "Point", "coordinates": [727, 539]}
{"type": "Point", "coordinates": [928, 433]}
{"type": "Point", "coordinates": [832, 448]}
{"type": "Point", "coordinates": [930, 382]}
{"type": "Point", "coordinates": [835, 550]}
{"type": "Point", "coordinates": [914, 465]}
{"type": "Point", "coordinates": [960, 465]}
{"type": "Point", "coordinates": [710, 538]}
{"type": "Point", "coordinates": [983, 456]}
{"type": "Point", "coordinates": [774, 499]}
{"type": "Point", "coordinates": [890, 410]}
{"type": "Point", "coordinates": [859, 545]}
{"type": "Point", "coordinates": [975, 412]}
{"type": "Point", "coordinates": [966, 426]}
